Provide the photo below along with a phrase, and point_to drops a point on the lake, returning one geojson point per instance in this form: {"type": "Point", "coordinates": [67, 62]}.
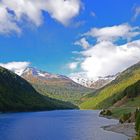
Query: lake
{"type": "Point", "coordinates": [56, 125]}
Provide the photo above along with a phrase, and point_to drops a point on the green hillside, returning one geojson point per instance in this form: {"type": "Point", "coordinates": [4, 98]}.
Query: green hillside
{"type": "Point", "coordinates": [62, 92]}
{"type": "Point", "coordinates": [113, 92]}
{"type": "Point", "coordinates": [16, 94]}
{"type": "Point", "coordinates": [129, 102]}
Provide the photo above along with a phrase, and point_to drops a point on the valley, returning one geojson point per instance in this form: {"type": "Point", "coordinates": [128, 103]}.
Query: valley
{"type": "Point", "coordinates": [56, 86]}
{"type": "Point", "coordinates": [69, 69]}
{"type": "Point", "coordinates": [46, 91]}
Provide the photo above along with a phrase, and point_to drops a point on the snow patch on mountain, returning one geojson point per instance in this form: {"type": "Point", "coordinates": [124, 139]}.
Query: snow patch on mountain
{"type": "Point", "coordinates": [97, 83]}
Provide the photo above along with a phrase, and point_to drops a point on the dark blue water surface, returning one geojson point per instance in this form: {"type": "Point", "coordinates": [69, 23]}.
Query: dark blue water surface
{"type": "Point", "coordinates": [56, 125]}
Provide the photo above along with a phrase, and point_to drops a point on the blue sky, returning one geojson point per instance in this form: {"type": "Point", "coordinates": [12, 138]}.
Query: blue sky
{"type": "Point", "coordinates": [50, 45]}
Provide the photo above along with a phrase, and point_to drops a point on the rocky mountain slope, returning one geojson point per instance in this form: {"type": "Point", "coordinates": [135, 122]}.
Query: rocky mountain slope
{"type": "Point", "coordinates": [56, 86]}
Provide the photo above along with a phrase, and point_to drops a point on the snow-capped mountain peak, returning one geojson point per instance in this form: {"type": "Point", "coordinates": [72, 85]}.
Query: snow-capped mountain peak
{"type": "Point", "coordinates": [93, 83]}
{"type": "Point", "coordinates": [42, 74]}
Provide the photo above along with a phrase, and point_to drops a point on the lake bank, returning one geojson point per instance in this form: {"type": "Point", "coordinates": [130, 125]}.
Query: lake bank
{"type": "Point", "coordinates": [127, 129]}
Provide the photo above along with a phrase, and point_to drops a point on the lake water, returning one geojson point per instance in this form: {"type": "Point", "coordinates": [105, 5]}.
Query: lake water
{"type": "Point", "coordinates": [56, 125]}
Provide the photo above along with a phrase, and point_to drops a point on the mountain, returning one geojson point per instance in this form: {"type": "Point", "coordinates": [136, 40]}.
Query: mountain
{"type": "Point", "coordinates": [92, 83]}
{"type": "Point", "coordinates": [55, 86]}
{"type": "Point", "coordinates": [43, 75]}
{"type": "Point", "coordinates": [112, 93]}
{"type": "Point", "coordinates": [16, 94]}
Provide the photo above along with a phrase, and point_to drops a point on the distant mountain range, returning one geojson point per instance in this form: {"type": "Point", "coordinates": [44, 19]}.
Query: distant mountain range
{"type": "Point", "coordinates": [55, 86]}
{"type": "Point", "coordinates": [44, 90]}
{"type": "Point", "coordinates": [91, 83]}
{"type": "Point", "coordinates": [16, 94]}
{"type": "Point", "coordinates": [77, 80]}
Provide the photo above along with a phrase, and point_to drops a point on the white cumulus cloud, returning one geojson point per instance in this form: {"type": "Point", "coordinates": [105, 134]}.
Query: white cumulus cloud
{"type": "Point", "coordinates": [113, 33]}
{"type": "Point", "coordinates": [107, 56]}
{"type": "Point", "coordinates": [7, 22]}
{"type": "Point", "coordinates": [14, 12]}
{"type": "Point", "coordinates": [16, 67]}
{"type": "Point", "coordinates": [63, 10]}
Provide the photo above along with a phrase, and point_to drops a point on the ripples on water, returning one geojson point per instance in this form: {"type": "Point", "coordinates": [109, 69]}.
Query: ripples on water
{"type": "Point", "coordinates": [56, 125]}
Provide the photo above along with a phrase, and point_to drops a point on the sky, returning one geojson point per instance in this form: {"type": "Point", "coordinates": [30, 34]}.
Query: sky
{"type": "Point", "coordinates": [71, 37]}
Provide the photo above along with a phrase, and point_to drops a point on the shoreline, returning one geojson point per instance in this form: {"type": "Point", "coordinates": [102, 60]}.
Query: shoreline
{"type": "Point", "coordinates": [127, 129]}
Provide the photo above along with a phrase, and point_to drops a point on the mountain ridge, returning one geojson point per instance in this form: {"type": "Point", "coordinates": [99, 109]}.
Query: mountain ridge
{"type": "Point", "coordinates": [93, 83]}
{"type": "Point", "coordinates": [16, 94]}
{"type": "Point", "coordinates": [54, 85]}
{"type": "Point", "coordinates": [106, 96]}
